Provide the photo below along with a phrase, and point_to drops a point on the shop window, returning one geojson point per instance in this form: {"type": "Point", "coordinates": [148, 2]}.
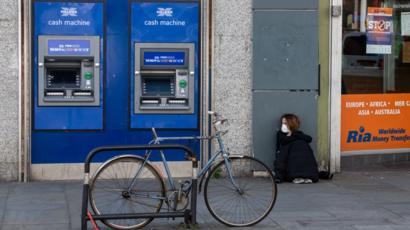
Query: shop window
{"type": "Point", "coordinates": [365, 72]}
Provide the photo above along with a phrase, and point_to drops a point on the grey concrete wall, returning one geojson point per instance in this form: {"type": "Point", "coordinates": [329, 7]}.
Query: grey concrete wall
{"type": "Point", "coordinates": [8, 89]}
{"type": "Point", "coordinates": [231, 70]}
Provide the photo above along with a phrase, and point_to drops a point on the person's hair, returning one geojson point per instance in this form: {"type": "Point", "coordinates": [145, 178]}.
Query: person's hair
{"type": "Point", "coordinates": [292, 120]}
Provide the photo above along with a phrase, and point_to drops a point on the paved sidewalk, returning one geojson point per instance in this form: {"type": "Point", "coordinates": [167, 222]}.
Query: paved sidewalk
{"type": "Point", "coordinates": [352, 200]}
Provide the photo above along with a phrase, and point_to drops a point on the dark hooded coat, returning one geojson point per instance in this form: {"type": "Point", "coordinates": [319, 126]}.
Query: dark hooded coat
{"type": "Point", "coordinates": [294, 157]}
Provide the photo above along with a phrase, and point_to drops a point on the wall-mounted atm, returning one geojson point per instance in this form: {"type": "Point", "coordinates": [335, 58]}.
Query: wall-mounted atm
{"type": "Point", "coordinates": [68, 71]}
{"type": "Point", "coordinates": [68, 65]}
{"type": "Point", "coordinates": [164, 64]}
{"type": "Point", "coordinates": [164, 78]}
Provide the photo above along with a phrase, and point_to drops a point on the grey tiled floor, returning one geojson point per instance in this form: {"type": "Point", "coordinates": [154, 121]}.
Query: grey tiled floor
{"type": "Point", "coordinates": [351, 201]}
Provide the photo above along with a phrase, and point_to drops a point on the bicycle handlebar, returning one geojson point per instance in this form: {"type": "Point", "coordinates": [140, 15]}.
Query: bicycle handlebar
{"type": "Point", "coordinates": [217, 121]}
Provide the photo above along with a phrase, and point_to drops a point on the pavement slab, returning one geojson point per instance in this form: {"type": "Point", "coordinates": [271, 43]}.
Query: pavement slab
{"type": "Point", "coordinates": [362, 200]}
{"type": "Point", "coordinates": [35, 217]}
{"type": "Point", "coordinates": [35, 226]}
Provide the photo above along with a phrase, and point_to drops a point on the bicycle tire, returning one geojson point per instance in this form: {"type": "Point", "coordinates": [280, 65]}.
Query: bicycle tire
{"type": "Point", "coordinates": [108, 191]}
{"type": "Point", "coordinates": [220, 194]}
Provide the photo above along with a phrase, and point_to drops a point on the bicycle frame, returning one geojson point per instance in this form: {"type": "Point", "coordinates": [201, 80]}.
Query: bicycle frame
{"type": "Point", "coordinates": [220, 168]}
{"type": "Point", "coordinates": [208, 165]}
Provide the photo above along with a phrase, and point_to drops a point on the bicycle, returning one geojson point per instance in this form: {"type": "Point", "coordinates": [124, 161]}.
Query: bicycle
{"type": "Point", "coordinates": [239, 190]}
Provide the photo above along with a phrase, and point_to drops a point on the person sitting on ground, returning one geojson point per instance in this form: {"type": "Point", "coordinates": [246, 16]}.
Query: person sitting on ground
{"type": "Point", "coordinates": [294, 156]}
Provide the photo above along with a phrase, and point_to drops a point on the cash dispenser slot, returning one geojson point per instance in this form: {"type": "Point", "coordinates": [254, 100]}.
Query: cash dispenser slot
{"type": "Point", "coordinates": [82, 93]}
{"type": "Point", "coordinates": [174, 101]}
{"type": "Point", "coordinates": [150, 101]}
{"type": "Point", "coordinates": [55, 93]}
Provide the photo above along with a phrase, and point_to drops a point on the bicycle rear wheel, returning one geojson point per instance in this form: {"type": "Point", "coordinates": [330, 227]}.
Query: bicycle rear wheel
{"type": "Point", "coordinates": [255, 198]}
{"type": "Point", "coordinates": [110, 193]}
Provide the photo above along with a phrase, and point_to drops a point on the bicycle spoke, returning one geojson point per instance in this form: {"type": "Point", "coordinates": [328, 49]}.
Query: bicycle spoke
{"type": "Point", "coordinates": [246, 207]}
{"type": "Point", "coordinates": [110, 191]}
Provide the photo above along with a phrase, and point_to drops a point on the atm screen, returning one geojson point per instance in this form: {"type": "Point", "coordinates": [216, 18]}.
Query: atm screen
{"type": "Point", "coordinates": [157, 87]}
{"type": "Point", "coordinates": [63, 78]}
{"type": "Point", "coordinates": [158, 58]}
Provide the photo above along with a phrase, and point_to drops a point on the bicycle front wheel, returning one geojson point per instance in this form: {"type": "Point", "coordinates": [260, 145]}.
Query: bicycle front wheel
{"type": "Point", "coordinates": [246, 198]}
{"type": "Point", "coordinates": [112, 192]}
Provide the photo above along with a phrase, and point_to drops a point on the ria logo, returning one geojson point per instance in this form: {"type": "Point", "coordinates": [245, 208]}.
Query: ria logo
{"type": "Point", "coordinates": [164, 12]}
{"type": "Point", "coordinates": [361, 136]}
{"type": "Point", "coordinates": [68, 11]}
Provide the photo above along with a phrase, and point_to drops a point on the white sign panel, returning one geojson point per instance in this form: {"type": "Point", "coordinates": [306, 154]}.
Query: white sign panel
{"type": "Point", "coordinates": [405, 23]}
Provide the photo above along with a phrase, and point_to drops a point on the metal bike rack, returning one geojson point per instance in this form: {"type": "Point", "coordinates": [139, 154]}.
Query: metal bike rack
{"type": "Point", "coordinates": [188, 214]}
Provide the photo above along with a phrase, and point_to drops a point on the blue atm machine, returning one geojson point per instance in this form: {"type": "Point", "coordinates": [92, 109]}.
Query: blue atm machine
{"type": "Point", "coordinates": [68, 66]}
{"type": "Point", "coordinates": [97, 81]}
{"type": "Point", "coordinates": [68, 78]}
{"type": "Point", "coordinates": [165, 65]}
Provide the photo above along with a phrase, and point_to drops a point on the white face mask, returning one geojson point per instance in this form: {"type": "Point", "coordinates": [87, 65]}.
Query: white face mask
{"type": "Point", "coordinates": [284, 128]}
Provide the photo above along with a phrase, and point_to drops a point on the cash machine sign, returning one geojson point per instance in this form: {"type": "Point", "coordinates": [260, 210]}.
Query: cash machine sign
{"type": "Point", "coordinates": [164, 58]}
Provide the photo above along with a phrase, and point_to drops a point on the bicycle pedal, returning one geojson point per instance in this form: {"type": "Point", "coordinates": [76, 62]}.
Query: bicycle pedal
{"type": "Point", "coordinates": [186, 186]}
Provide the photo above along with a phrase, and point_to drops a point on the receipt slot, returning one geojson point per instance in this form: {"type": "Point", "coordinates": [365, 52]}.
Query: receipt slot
{"type": "Point", "coordinates": [164, 77]}
{"type": "Point", "coordinates": [68, 70]}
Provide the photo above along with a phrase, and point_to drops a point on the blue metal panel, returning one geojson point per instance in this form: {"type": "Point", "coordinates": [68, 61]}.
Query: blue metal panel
{"type": "Point", "coordinates": [64, 18]}
{"type": "Point", "coordinates": [73, 147]}
{"type": "Point", "coordinates": [50, 146]}
{"type": "Point", "coordinates": [184, 28]}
